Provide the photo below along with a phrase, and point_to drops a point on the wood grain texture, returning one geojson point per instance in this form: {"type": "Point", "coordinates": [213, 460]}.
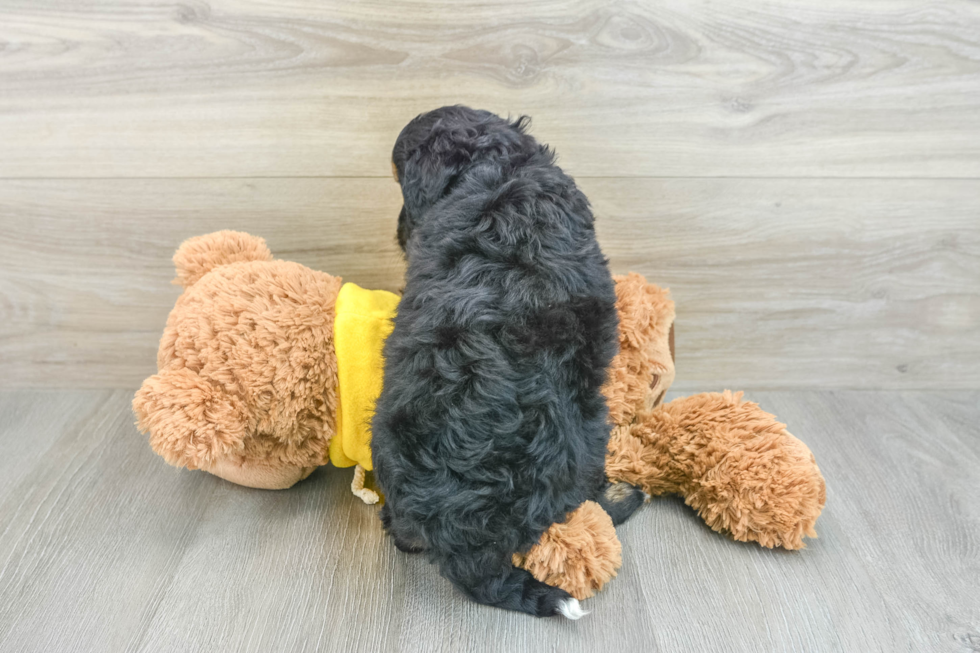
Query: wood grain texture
{"type": "Point", "coordinates": [321, 88]}
{"type": "Point", "coordinates": [104, 547]}
{"type": "Point", "coordinates": [804, 176]}
{"type": "Point", "coordinates": [778, 283]}
{"type": "Point", "coordinates": [85, 268]}
{"type": "Point", "coordinates": [807, 283]}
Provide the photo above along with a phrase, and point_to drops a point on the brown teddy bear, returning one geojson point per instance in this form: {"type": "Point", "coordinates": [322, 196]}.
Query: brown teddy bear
{"type": "Point", "coordinates": [731, 461]}
{"type": "Point", "coordinates": [268, 370]}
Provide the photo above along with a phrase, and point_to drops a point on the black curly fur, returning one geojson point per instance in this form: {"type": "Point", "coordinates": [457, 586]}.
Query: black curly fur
{"type": "Point", "coordinates": [491, 425]}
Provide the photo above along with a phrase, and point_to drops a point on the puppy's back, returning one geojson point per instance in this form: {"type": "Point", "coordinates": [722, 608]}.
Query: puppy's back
{"type": "Point", "coordinates": [491, 425]}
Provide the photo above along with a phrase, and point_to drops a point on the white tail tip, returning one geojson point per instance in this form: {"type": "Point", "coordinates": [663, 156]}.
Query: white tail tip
{"type": "Point", "coordinates": [572, 609]}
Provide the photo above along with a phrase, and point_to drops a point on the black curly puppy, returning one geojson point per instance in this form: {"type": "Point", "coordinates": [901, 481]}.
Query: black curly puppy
{"type": "Point", "coordinates": [491, 425]}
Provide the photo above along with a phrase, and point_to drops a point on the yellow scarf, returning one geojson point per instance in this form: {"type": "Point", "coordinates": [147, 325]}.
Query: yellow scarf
{"type": "Point", "coordinates": [363, 319]}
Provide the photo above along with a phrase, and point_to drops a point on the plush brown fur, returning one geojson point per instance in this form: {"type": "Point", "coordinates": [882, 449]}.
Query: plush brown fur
{"type": "Point", "coordinates": [641, 372]}
{"type": "Point", "coordinates": [247, 381]}
{"type": "Point", "coordinates": [580, 555]}
{"type": "Point", "coordinates": [732, 462]}
{"type": "Point", "coordinates": [247, 390]}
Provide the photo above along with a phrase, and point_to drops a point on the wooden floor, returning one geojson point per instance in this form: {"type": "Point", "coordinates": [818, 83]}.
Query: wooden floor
{"type": "Point", "coordinates": [803, 175]}
{"type": "Point", "coordinates": [103, 547]}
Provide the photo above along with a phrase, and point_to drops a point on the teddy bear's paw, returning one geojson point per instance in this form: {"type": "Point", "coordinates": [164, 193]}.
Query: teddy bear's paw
{"type": "Point", "coordinates": [767, 490]}
{"type": "Point", "coordinates": [579, 555]}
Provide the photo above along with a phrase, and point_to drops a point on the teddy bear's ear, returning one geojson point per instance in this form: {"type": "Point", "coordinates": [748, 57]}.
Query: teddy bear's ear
{"type": "Point", "coordinates": [644, 368]}
{"type": "Point", "coordinates": [192, 423]}
{"type": "Point", "coordinates": [199, 255]}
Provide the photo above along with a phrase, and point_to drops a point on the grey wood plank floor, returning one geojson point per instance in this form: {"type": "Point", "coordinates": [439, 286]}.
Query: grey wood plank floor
{"type": "Point", "coordinates": [103, 547]}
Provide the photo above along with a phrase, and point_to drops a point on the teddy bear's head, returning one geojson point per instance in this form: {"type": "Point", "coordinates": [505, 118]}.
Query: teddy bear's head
{"type": "Point", "coordinates": [246, 386]}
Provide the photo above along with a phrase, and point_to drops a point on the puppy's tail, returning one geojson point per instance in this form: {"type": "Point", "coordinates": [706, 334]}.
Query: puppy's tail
{"type": "Point", "coordinates": [491, 581]}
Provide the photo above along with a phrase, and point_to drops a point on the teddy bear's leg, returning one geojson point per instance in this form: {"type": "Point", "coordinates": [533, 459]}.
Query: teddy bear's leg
{"type": "Point", "coordinates": [191, 422]}
{"type": "Point", "coordinates": [579, 555]}
{"type": "Point", "coordinates": [733, 463]}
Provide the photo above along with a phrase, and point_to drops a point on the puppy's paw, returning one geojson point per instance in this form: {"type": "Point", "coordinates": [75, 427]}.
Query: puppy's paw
{"type": "Point", "coordinates": [408, 547]}
{"type": "Point", "coordinates": [621, 500]}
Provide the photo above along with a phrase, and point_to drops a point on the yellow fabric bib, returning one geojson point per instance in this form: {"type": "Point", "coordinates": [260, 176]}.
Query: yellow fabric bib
{"type": "Point", "coordinates": [363, 319]}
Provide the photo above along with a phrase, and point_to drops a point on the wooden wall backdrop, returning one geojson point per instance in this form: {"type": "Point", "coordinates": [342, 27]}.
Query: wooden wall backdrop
{"type": "Point", "coordinates": [804, 176]}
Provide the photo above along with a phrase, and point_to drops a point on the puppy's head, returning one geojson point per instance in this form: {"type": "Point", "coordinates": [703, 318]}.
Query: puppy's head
{"type": "Point", "coordinates": [435, 148]}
